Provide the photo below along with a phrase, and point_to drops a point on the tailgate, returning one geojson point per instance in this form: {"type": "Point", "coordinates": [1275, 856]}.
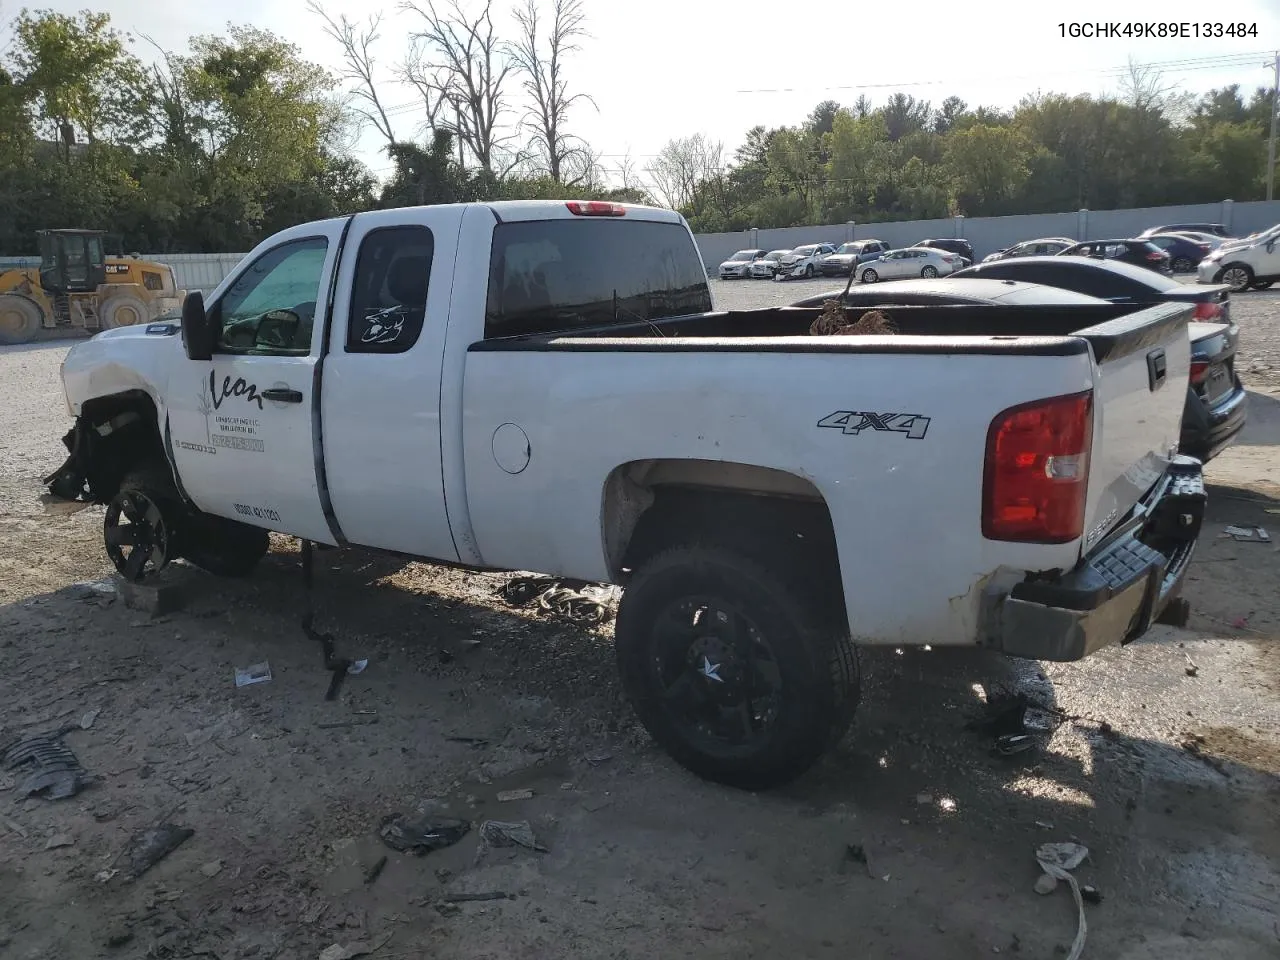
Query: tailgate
{"type": "Point", "coordinates": [1140, 391]}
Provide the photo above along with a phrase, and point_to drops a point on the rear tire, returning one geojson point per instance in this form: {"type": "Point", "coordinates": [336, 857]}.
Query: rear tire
{"type": "Point", "coordinates": [730, 669]}
{"type": "Point", "coordinates": [929, 273]}
{"type": "Point", "coordinates": [870, 276]}
{"type": "Point", "coordinates": [225, 548]}
{"type": "Point", "coordinates": [1261, 284]}
{"type": "Point", "coordinates": [19, 319]}
{"type": "Point", "coordinates": [124, 310]}
{"type": "Point", "coordinates": [1237, 276]}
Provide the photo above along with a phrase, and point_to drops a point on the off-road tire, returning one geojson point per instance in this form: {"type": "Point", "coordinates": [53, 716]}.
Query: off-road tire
{"type": "Point", "coordinates": [122, 310]}
{"type": "Point", "coordinates": [19, 319]}
{"type": "Point", "coordinates": [815, 658]}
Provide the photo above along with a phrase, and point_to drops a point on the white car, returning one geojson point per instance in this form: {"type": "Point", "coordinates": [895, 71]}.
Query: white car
{"type": "Point", "coordinates": [738, 267]}
{"type": "Point", "coordinates": [767, 266]}
{"type": "Point", "coordinates": [909, 262]}
{"type": "Point", "coordinates": [1241, 264]}
{"type": "Point", "coordinates": [381, 380]}
{"type": "Point", "coordinates": [804, 261]}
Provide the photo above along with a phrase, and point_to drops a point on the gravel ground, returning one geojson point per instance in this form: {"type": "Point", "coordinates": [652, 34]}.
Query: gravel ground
{"type": "Point", "coordinates": [1170, 779]}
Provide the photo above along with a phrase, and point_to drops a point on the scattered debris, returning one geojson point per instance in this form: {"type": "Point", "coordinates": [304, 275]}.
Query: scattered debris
{"type": "Point", "coordinates": [1191, 668]}
{"type": "Point", "coordinates": [254, 673]}
{"type": "Point", "coordinates": [1058, 860]}
{"type": "Point", "coordinates": [1247, 534]}
{"type": "Point", "coordinates": [506, 796]}
{"type": "Point", "coordinates": [1091, 894]}
{"type": "Point", "coordinates": [478, 897]}
{"type": "Point", "coordinates": [339, 952]}
{"type": "Point", "coordinates": [506, 833]}
{"type": "Point", "coordinates": [57, 770]}
{"type": "Point", "coordinates": [375, 871]}
{"type": "Point", "coordinates": [596, 759]}
{"type": "Point", "coordinates": [1012, 745]}
{"type": "Point", "coordinates": [212, 869]}
{"type": "Point", "coordinates": [58, 840]}
{"type": "Point", "coordinates": [148, 847]}
{"type": "Point", "coordinates": [421, 834]}
{"type": "Point", "coordinates": [337, 724]}
{"type": "Point", "coordinates": [857, 853]}
{"type": "Point", "coordinates": [87, 720]}
{"type": "Point", "coordinates": [1045, 884]}
{"type": "Point", "coordinates": [834, 321]}
{"type": "Point", "coordinates": [106, 876]}
{"type": "Point", "coordinates": [577, 600]}
{"type": "Point", "coordinates": [357, 667]}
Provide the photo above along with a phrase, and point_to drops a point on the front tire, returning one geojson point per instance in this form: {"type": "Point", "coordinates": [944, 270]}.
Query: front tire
{"type": "Point", "coordinates": [1237, 276]}
{"type": "Point", "coordinates": [870, 276]}
{"type": "Point", "coordinates": [929, 273]}
{"type": "Point", "coordinates": [1261, 284]}
{"type": "Point", "coordinates": [730, 669]}
{"type": "Point", "coordinates": [140, 526]}
{"type": "Point", "coordinates": [808, 272]}
{"type": "Point", "coordinates": [19, 319]}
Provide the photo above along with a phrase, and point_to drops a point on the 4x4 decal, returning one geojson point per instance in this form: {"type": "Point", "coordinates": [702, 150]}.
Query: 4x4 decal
{"type": "Point", "coordinates": [853, 422]}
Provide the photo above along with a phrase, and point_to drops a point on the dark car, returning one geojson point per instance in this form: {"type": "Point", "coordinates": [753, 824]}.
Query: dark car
{"type": "Point", "coordinates": [961, 248]}
{"type": "Point", "coordinates": [1140, 253]}
{"type": "Point", "coordinates": [1215, 410]}
{"type": "Point", "coordinates": [842, 262]}
{"type": "Point", "coordinates": [1217, 229]}
{"type": "Point", "coordinates": [1184, 253]}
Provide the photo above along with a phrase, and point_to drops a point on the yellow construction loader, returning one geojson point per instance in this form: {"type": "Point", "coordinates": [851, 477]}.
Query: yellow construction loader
{"type": "Point", "coordinates": [78, 288]}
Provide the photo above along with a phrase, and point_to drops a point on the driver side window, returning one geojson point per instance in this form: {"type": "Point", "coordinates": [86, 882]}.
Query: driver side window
{"type": "Point", "coordinates": [270, 309]}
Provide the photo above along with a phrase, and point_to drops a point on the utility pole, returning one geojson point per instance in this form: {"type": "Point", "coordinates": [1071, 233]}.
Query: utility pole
{"type": "Point", "coordinates": [1271, 144]}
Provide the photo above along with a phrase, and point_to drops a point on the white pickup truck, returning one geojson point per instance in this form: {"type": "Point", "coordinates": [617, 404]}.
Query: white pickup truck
{"type": "Point", "coordinates": [543, 386]}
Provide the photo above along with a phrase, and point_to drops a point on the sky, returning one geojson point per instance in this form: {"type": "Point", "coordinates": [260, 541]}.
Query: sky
{"type": "Point", "coordinates": [659, 69]}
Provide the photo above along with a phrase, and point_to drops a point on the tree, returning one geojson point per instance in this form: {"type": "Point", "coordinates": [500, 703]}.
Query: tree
{"type": "Point", "coordinates": [357, 43]}
{"type": "Point", "coordinates": [473, 72]}
{"type": "Point", "coordinates": [541, 61]}
{"type": "Point", "coordinates": [988, 168]}
{"type": "Point", "coordinates": [682, 165]}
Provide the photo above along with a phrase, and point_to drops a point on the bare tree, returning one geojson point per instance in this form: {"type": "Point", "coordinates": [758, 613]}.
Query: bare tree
{"type": "Point", "coordinates": [626, 172]}
{"type": "Point", "coordinates": [428, 79]}
{"type": "Point", "coordinates": [358, 63]}
{"type": "Point", "coordinates": [541, 60]}
{"type": "Point", "coordinates": [683, 166]}
{"type": "Point", "coordinates": [1143, 87]}
{"type": "Point", "coordinates": [474, 67]}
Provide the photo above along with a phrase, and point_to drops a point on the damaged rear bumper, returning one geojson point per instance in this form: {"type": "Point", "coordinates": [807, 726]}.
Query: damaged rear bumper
{"type": "Point", "coordinates": [1118, 590]}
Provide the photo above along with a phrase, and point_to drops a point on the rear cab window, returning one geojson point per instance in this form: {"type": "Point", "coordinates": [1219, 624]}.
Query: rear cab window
{"type": "Point", "coordinates": [549, 276]}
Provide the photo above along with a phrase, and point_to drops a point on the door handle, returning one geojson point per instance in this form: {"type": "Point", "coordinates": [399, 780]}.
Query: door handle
{"type": "Point", "coordinates": [1157, 368]}
{"type": "Point", "coordinates": [283, 395]}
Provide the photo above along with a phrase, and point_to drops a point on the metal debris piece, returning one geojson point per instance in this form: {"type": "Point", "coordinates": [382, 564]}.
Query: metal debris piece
{"type": "Point", "coordinates": [478, 897]}
{"type": "Point", "coordinates": [59, 840]}
{"type": "Point", "coordinates": [56, 769]}
{"type": "Point", "coordinates": [423, 833]}
{"type": "Point", "coordinates": [506, 796]}
{"type": "Point", "coordinates": [254, 673]}
{"type": "Point", "coordinates": [507, 833]}
{"type": "Point", "coordinates": [148, 847]}
{"type": "Point", "coordinates": [87, 720]}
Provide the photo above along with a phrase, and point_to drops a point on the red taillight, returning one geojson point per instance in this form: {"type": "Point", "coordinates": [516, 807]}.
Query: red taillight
{"type": "Point", "coordinates": [1207, 311]}
{"type": "Point", "coordinates": [1155, 256]}
{"type": "Point", "coordinates": [1199, 370]}
{"type": "Point", "coordinates": [595, 208]}
{"type": "Point", "coordinates": [1204, 247]}
{"type": "Point", "coordinates": [1037, 470]}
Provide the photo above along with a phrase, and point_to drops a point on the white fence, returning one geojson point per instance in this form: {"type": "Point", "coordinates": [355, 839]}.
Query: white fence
{"type": "Point", "coordinates": [204, 271]}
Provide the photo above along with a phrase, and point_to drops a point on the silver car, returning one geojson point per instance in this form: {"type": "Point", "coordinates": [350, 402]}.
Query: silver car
{"type": "Point", "coordinates": [909, 262]}
{"type": "Point", "coordinates": [767, 266]}
{"type": "Point", "coordinates": [738, 266]}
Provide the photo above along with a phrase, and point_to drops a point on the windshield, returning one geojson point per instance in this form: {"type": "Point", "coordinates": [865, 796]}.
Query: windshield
{"type": "Point", "coordinates": [804, 251]}
{"type": "Point", "coordinates": [776, 254]}
{"type": "Point", "coordinates": [742, 255]}
{"type": "Point", "coordinates": [849, 248]}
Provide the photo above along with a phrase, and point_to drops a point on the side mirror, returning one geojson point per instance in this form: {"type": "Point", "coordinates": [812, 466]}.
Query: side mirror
{"type": "Point", "coordinates": [197, 333]}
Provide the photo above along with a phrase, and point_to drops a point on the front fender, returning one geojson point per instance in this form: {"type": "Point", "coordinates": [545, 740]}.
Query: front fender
{"type": "Point", "coordinates": [121, 360]}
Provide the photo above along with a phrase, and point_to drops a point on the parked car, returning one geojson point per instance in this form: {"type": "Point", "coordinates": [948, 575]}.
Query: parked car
{"type": "Point", "coordinates": [738, 266]}
{"type": "Point", "coordinates": [909, 262]}
{"type": "Point", "coordinates": [952, 290]}
{"type": "Point", "coordinates": [767, 266]}
{"type": "Point", "coordinates": [803, 261]}
{"type": "Point", "coordinates": [1045, 247]}
{"type": "Point", "coordinates": [957, 245]}
{"type": "Point", "coordinates": [1140, 253]}
{"type": "Point", "coordinates": [1216, 401]}
{"type": "Point", "coordinates": [1216, 229]}
{"type": "Point", "coordinates": [846, 259]}
{"type": "Point", "coordinates": [722, 497]}
{"type": "Point", "coordinates": [1241, 264]}
{"type": "Point", "coordinates": [1184, 253]}
{"type": "Point", "coordinates": [1212, 239]}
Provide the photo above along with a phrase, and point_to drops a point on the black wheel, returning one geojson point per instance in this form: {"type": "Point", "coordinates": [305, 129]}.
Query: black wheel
{"type": "Point", "coordinates": [808, 272]}
{"type": "Point", "coordinates": [139, 526]}
{"type": "Point", "coordinates": [1183, 265]}
{"type": "Point", "coordinates": [1237, 276]}
{"type": "Point", "coordinates": [929, 272]}
{"type": "Point", "coordinates": [222, 547]}
{"type": "Point", "coordinates": [1261, 284]}
{"type": "Point", "coordinates": [870, 276]}
{"type": "Point", "coordinates": [730, 669]}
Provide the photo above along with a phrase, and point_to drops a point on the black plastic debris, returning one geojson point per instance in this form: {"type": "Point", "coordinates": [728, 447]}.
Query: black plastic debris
{"type": "Point", "coordinates": [509, 833]}
{"type": "Point", "coordinates": [422, 833]}
{"type": "Point", "coordinates": [149, 847]}
{"type": "Point", "coordinates": [55, 770]}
